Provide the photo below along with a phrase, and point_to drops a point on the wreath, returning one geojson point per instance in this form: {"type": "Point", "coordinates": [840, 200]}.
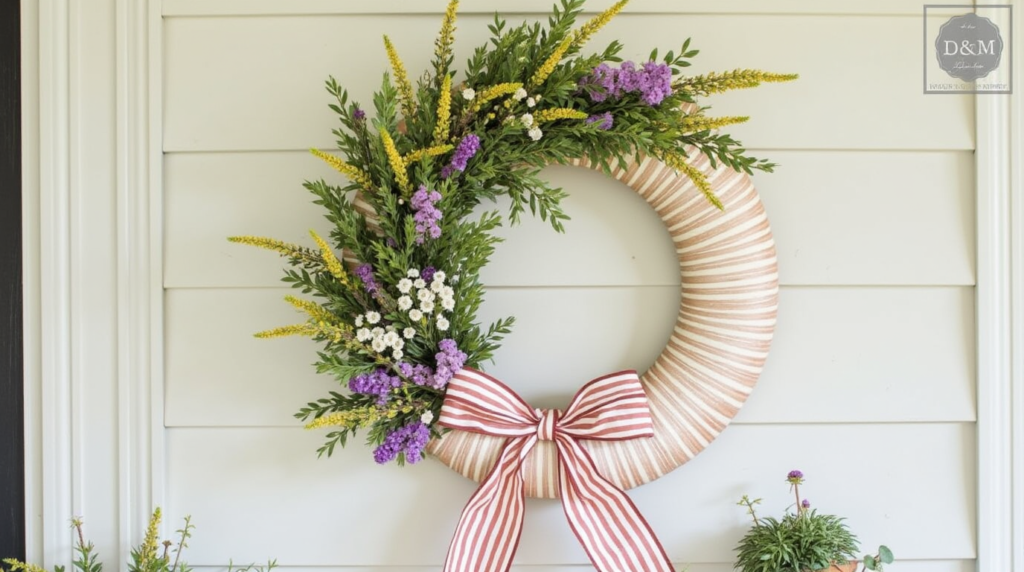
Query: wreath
{"type": "Point", "coordinates": [395, 311]}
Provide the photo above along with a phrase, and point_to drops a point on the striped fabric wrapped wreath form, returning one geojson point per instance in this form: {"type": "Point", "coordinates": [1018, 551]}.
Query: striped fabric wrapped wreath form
{"type": "Point", "coordinates": [714, 356]}
{"type": "Point", "coordinates": [395, 312]}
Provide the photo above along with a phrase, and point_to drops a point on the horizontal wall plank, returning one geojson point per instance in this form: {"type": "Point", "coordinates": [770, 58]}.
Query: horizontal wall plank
{"type": "Point", "coordinates": [320, 7]}
{"type": "Point", "coordinates": [839, 355]}
{"type": "Point", "coordinates": [267, 495]}
{"type": "Point", "coordinates": [870, 355]}
{"type": "Point", "coordinates": [837, 217]}
{"type": "Point", "coordinates": [223, 87]}
{"type": "Point", "coordinates": [872, 218]}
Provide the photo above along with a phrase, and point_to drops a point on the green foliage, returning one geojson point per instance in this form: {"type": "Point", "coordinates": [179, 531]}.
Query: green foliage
{"type": "Point", "coordinates": [796, 543]}
{"type": "Point", "coordinates": [801, 541]}
{"type": "Point", "coordinates": [884, 556]}
{"type": "Point", "coordinates": [372, 215]}
{"type": "Point", "coordinates": [143, 558]}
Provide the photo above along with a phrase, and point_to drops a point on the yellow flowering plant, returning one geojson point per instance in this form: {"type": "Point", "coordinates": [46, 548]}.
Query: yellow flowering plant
{"type": "Point", "coordinates": [151, 555]}
{"type": "Point", "coordinates": [395, 287]}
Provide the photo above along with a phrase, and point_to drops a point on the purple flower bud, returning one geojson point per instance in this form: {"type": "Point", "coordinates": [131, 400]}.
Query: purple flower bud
{"type": "Point", "coordinates": [468, 147]}
{"type": "Point", "coordinates": [796, 477]}
{"type": "Point", "coordinates": [427, 274]}
{"type": "Point", "coordinates": [605, 120]}
{"type": "Point", "coordinates": [365, 274]}
{"type": "Point", "coordinates": [806, 504]}
{"type": "Point", "coordinates": [358, 114]}
{"type": "Point", "coordinates": [427, 214]}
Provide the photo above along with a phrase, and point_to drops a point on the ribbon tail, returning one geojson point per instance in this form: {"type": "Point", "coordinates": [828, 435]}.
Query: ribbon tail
{"type": "Point", "coordinates": [489, 529]}
{"type": "Point", "coordinates": [611, 529]}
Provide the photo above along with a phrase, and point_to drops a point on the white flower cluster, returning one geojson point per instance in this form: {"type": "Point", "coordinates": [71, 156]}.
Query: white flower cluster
{"type": "Point", "coordinates": [420, 299]}
{"type": "Point", "coordinates": [532, 130]}
{"type": "Point", "coordinates": [380, 338]}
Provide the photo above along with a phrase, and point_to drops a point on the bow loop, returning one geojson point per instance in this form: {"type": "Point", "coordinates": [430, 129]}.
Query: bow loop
{"type": "Point", "coordinates": [606, 522]}
{"type": "Point", "coordinates": [610, 408]}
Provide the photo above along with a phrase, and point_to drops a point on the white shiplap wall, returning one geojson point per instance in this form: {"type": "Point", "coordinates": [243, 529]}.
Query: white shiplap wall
{"type": "Point", "coordinates": [870, 385]}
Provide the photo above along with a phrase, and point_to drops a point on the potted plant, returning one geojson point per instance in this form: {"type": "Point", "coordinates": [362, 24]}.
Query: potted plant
{"type": "Point", "coordinates": [801, 541]}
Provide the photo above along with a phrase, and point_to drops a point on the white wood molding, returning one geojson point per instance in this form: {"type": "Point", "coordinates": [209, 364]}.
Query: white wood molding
{"type": "Point", "coordinates": [1016, 151]}
{"type": "Point", "coordinates": [54, 439]}
{"type": "Point", "coordinates": [57, 186]}
{"type": "Point", "coordinates": [995, 484]}
{"type": "Point", "coordinates": [139, 391]}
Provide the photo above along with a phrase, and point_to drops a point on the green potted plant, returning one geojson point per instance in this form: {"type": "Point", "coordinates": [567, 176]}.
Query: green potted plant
{"type": "Point", "coordinates": [801, 541]}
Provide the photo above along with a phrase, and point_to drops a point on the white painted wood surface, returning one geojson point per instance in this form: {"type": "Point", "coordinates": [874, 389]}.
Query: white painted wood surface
{"type": "Point", "coordinates": [259, 492]}
{"type": "Point", "coordinates": [874, 356]}
{"type": "Point", "coordinates": [224, 88]}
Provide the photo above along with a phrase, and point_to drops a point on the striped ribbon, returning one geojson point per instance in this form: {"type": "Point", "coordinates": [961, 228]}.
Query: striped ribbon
{"type": "Point", "coordinates": [606, 522]}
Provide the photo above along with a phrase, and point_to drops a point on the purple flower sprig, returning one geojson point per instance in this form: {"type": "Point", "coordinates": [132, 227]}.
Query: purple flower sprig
{"type": "Point", "coordinates": [409, 440]}
{"type": "Point", "coordinates": [378, 383]}
{"type": "Point", "coordinates": [652, 80]}
{"type": "Point", "coordinates": [449, 361]}
{"type": "Point", "coordinates": [427, 215]}
{"type": "Point", "coordinates": [365, 274]}
{"type": "Point", "coordinates": [467, 148]}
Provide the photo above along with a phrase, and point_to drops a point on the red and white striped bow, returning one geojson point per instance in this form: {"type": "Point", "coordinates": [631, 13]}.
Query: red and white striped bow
{"type": "Point", "coordinates": [606, 522]}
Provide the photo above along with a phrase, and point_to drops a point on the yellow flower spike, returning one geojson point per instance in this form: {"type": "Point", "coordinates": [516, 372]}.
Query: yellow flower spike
{"type": "Point", "coordinates": [397, 164]}
{"type": "Point", "coordinates": [696, 123]}
{"type": "Point", "coordinates": [445, 39]}
{"type": "Point", "coordinates": [284, 331]}
{"type": "Point", "coordinates": [549, 64]}
{"type": "Point", "coordinates": [707, 84]}
{"type": "Point", "coordinates": [586, 31]}
{"type": "Point", "coordinates": [546, 115]}
{"type": "Point", "coordinates": [444, 110]}
{"type": "Point", "coordinates": [147, 551]}
{"type": "Point", "coordinates": [315, 311]}
{"type": "Point", "coordinates": [353, 418]}
{"type": "Point", "coordinates": [19, 566]}
{"type": "Point", "coordinates": [401, 79]}
{"type": "Point", "coordinates": [362, 178]}
{"type": "Point", "coordinates": [494, 92]}
{"type": "Point", "coordinates": [428, 152]}
{"type": "Point", "coordinates": [279, 246]}
{"type": "Point", "coordinates": [330, 260]}
{"type": "Point", "coordinates": [678, 162]}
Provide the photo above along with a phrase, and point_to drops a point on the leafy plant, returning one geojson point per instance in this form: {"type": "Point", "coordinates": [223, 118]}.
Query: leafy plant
{"type": "Point", "coordinates": [801, 541]}
{"type": "Point", "coordinates": [146, 557]}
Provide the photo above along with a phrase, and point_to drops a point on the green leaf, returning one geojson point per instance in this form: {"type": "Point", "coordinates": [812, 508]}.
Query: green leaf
{"type": "Point", "coordinates": [885, 554]}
